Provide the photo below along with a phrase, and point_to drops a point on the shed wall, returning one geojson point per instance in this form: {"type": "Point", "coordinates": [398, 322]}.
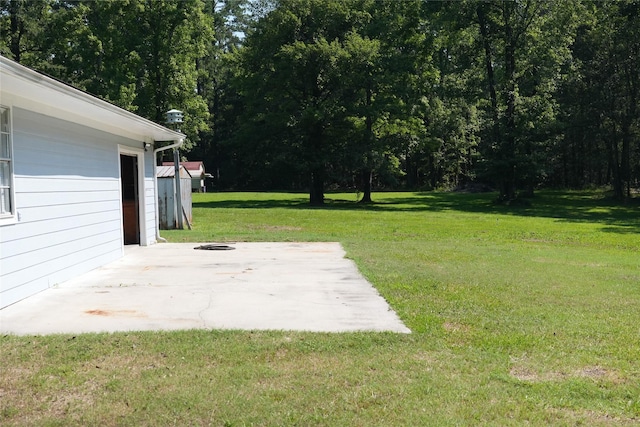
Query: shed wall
{"type": "Point", "coordinates": [68, 201]}
{"type": "Point", "coordinates": [167, 203]}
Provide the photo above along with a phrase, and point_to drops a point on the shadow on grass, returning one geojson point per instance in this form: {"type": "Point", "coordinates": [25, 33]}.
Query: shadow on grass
{"type": "Point", "coordinates": [564, 206]}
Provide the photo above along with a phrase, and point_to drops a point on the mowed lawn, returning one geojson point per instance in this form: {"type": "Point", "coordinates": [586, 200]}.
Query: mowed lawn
{"type": "Point", "coordinates": [522, 314]}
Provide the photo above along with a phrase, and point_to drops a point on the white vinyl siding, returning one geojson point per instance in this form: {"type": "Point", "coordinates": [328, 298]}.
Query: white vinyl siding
{"type": "Point", "coordinates": [149, 195]}
{"type": "Point", "coordinates": [6, 166]}
{"type": "Point", "coordinates": [61, 211]}
{"type": "Point", "coordinates": [68, 204]}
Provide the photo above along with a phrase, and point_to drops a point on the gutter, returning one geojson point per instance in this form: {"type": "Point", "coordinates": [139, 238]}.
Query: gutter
{"type": "Point", "coordinates": [60, 97]}
{"type": "Point", "coordinates": [176, 144]}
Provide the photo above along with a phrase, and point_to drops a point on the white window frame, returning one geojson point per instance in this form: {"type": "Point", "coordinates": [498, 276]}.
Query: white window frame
{"type": "Point", "coordinates": [8, 217]}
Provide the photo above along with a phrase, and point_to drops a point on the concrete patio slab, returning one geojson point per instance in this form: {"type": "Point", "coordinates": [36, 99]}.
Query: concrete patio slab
{"type": "Point", "coordinates": [170, 286]}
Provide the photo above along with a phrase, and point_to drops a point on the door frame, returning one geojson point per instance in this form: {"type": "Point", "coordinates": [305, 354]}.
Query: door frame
{"type": "Point", "coordinates": [142, 211]}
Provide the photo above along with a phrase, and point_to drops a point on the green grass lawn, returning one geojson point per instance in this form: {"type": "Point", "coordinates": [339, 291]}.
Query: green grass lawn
{"type": "Point", "coordinates": [527, 314]}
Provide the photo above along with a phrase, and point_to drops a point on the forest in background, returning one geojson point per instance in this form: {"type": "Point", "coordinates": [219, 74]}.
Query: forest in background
{"type": "Point", "coordinates": [316, 95]}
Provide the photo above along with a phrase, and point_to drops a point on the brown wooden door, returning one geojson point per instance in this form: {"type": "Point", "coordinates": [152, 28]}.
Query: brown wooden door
{"type": "Point", "coordinates": [129, 182]}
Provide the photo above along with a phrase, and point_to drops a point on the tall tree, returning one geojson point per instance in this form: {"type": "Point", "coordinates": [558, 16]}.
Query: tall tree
{"type": "Point", "coordinates": [22, 27]}
{"type": "Point", "coordinates": [447, 157]}
{"type": "Point", "coordinates": [618, 63]}
{"type": "Point", "coordinates": [524, 43]}
{"type": "Point", "coordinates": [599, 100]}
{"type": "Point", "coordinates": [138, 54]}
{"type": "Point", "coordinates": [387, 72]}
{"type": "Point", "coordinates": [293, 83]}
{"type": "Point", "coordinates": [231, 20]}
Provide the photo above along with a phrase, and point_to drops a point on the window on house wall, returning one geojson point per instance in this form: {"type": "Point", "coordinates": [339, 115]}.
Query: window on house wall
{"type": "Point", "coordinates": [6, 194]}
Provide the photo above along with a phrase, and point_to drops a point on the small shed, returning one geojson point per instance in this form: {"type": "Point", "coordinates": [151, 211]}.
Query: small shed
{"type": "Point", "coordinates": [167, 206]}
{"type": "Point", "coordinates": [197, 172]}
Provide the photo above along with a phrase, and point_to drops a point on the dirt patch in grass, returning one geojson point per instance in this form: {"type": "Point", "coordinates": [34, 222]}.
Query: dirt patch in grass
{"type": "Point", "coordinates": [600, 373]}
{"type": "Point", "coordinates": [455, 327]}
{"type": "Point", "coordinates": [592, 418]}
{"type": "Point", "coordinates": [54, 400]}
{"type": "Point", "coordinates": [593, 372]}
{"type": "Point", "coordinates": [528, 375]}
{"type": "Point", "coordinates": [274, 227]}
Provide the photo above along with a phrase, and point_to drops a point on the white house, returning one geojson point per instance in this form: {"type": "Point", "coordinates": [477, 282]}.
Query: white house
{"type": "Point", "coordinates": [77, 181]}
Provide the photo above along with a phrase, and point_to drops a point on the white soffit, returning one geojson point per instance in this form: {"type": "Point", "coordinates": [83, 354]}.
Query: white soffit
{"type": "Point", "coordinates": [22, 87]}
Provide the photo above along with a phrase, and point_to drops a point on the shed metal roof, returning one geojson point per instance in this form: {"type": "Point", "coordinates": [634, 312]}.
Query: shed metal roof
{"type": "Point", "coordinates": [194, 165]}
{"type": "Point", "coordinates": [169, 172]}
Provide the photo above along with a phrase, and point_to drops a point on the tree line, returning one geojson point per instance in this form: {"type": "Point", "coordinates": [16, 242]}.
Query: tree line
{"type": "Point", "coordinates": [361, 94]}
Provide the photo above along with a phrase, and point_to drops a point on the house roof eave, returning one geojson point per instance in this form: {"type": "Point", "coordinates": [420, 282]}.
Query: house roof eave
{"type": "Point", "coordinates": [29, 89]}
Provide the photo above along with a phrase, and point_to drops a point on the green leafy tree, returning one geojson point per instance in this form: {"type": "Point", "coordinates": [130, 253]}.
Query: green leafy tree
{"type": "Point", "coordinates": [293, 85]}
{"type": "Point", "coordinates": [334, 88]}
{"type": "Point", "coordinates": [231, 20]}
{"type": "Point", "coordinates": [524, 43]}
{"type": "Point", "coordinates": [174, 34]}
{"type": "Point", "coordinates": [386, 72]}
{"type": "Point", "coordinates": [452, 116]}
{"type": "Point", "coordinates": [617, 60]}
{"type": "Point", "coordinates": [138, 54]}
{"type": "Point", "coordinates": [599, 100]}
{"type": "Point", "coordinates": [22, 28]}
{"type": "Point", "coordinates": [310, 93]}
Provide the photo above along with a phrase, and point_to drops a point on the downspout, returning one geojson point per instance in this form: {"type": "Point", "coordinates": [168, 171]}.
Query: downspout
{"type": "Point", "coordinates": [176, 144]}
{"type": "Point", "coordinates": [176, 164]}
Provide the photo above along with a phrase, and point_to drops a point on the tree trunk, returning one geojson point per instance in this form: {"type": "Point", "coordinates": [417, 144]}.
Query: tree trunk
{"type": "Point", "coordinates": [367, 173]}
{"type": "Point", "coordinates": [16, 26]}
{"type": "Point", "coordinates": [509, 118]}
{"type": "Point", "coordinates": [315, 137]}
{"type": "Point", "coordinates": [500, 168]}
{"type": "Point", "coordinates": [631, 85]}
{"type": "Point", "coordinates": [316, 192]}
{"type": "Point", "coordinates": [614, 162]}
{"type": "Point", "coordinates": [507, 189]}
{"type": "Point", "coordinates": [367, 177]}
{"type": "Point", "coordinates": [488, 60]}
{"type": "Point", "coordinates": [625, 160]}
